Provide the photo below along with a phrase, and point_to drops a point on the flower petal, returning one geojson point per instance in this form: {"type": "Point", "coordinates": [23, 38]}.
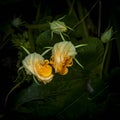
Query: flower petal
{"type": "Point", "coordinates": [35, 64]}
{"type": "Point", "coordinates": [62, 56]}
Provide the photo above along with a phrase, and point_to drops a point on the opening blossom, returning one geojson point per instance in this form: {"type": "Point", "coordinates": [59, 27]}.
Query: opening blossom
{"type": "Point", "coordinates": [62, 56]}
{"type": "Point", "coordinates": [35, 64]}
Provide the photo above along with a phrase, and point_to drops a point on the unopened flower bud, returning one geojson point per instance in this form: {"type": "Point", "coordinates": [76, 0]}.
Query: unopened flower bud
{"type": "Point", "coordinates": [17, 22]}
{"type": "Point", "coordinates": [58, 27]}
{"type": "Point", "coordinates": [107, 35]}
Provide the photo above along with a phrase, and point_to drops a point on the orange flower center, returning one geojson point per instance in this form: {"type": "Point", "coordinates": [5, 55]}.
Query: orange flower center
{"type": "Point", "coordinates": [61, 67]}
{"type": "Point", "coordinates": [44, 70]}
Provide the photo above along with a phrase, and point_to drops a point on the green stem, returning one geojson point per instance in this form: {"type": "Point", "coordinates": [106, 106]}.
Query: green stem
{"type": "Point", "coordinates": [85, 15]}
{"type": "Point", "coordinates": [31, 41]}
{"type": "Point", "coordinates": [25, 50]}
{"type": "Point", "coordinates": [104, 58]}
{"type": "Point", "coordinates": [5, 39]}
{"type": "Point", "coordinates": [79, 63]}
{"type": "Point", "coordinates": [99, 19]}
{"type": "Point", "coordinates": [38, 14]}
{"type": "Point", "coordinates": [36, 81]}
{"type": "Point", "coordinates": [107, 61]}
{"type": "Point", "coordinates": [46, 51]}
{"type": "Point", "coordinates": [38, 26]}
{"type": "Point", "coordinates": [81, 45]}
{"type": "Point", "coordinates": [81, 15]}
{"type": "Point", "coordinates": [71, 7]}
{"type": "Point", "coordinates": [62, 36]}
{"type": "Point", "coordinates": [17, 85]}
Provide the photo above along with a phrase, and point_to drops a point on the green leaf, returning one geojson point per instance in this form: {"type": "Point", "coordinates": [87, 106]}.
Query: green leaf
{"type": "Point", "coordinates": [48, 100]}
{"type": "Point", "coordinates": [91, 56]}
{"type": "Point", "coordinates": [43, 39]}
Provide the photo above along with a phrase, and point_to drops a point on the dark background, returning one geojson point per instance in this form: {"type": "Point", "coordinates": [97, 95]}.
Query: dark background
{"type": "Point", "coordinates": [27, 10]}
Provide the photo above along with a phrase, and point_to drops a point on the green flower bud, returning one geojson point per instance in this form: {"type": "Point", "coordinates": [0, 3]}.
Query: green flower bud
{"type": "Point", "coordinates": [58, 27]}
{"type": "Point", "coordinates": [107, 35]}
{"type": "Point", "coordinates": [17, 22]}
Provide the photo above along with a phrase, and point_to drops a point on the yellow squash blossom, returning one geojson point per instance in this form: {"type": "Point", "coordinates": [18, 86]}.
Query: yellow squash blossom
{"type": "Point", "coordinates": [35, 64]}
{"type": "Point", "coordinates": [62, 56]}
